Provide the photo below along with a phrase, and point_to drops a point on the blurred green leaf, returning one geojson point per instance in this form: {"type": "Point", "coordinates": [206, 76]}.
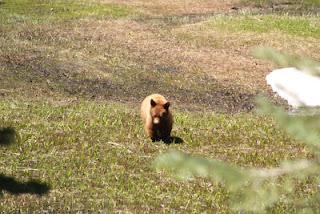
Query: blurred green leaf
{"type": "Point", "coordinates": [256, 190]}
{"type": "Point", "coordinates": [286, 60]}
{"type": "Point", "coordinates": [303, 127]}
{"type": "Point", "coordinates": [185, 166]}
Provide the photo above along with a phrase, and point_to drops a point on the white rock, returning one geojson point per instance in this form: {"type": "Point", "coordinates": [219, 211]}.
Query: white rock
{"type": "Point", "coordinates": [297, 87]}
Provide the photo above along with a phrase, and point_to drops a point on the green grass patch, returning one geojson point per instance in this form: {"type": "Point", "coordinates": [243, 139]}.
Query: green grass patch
{"type": "Point", "coordinates": [94, 156]}
{"type": "Point", "coordinates": [92, 153]}
{"type": "Point", "coordinates": [15, 11]}
{"type": "Point", "coordinates": [298, 26]}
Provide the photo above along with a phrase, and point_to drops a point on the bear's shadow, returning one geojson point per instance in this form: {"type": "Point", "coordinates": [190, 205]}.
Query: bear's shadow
{"type": "Point", "coordinates": [8, 136]}
{"type": "Point", "coordinates": [11, 185]}
{"type": "Point", "coordinates": [171, 140]}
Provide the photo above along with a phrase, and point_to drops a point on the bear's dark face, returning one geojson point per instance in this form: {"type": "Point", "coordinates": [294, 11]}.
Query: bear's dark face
{"type": "Point", "coordinates": [159, 112]}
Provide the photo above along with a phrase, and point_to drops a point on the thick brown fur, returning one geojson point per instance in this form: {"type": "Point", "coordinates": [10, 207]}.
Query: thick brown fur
{"type": "Point", "coordinates": [157, 117]}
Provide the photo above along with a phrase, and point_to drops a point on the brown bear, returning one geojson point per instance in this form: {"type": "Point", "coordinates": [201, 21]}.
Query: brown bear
{"type": "Point", "coordinates": [157, 117]}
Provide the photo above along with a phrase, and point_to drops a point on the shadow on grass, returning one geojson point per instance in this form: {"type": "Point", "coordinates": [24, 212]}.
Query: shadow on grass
{"type": "Point", "coordinates": [212, 94]}
{"type": "Point", "coordinates": [174, 140]}
{"type": "Point", "coordinates": [15, 187]}
{"type": "Point", "coordinates": [7, 136]}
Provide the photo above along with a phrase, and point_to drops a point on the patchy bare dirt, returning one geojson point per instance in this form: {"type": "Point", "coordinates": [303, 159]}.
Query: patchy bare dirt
{"type": "Point", "coordinates": [127, 59]}
{"type": "Point", "coordinates": [161, 50]}
{"type": "Point", "coordinates": [35, 70]}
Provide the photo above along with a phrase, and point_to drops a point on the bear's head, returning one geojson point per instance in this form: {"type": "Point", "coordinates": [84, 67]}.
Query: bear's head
{"type": "Point", "coordinates": [159, 111]}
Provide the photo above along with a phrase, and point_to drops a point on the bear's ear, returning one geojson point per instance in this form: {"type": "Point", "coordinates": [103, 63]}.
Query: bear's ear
{"type": "Point", "coordinates": [166, 105]}
{"type": "Point", "coordinates": [153, 103]}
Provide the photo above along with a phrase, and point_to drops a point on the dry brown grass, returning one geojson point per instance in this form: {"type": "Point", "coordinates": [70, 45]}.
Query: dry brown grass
{"type": "Point", "coordinates": [127, 58]}
{"type": "Point", "coordinates": [158, 49]}
{"type": "Point", "coordinates": [111, 55]}
{"type": "Point", "coordinates": [228, 55]}
{"type": "Point", "coordinates": [179, 7]}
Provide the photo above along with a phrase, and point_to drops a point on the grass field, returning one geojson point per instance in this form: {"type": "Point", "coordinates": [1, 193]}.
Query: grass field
{"type": "Point", "coordinates": [73, 74]}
